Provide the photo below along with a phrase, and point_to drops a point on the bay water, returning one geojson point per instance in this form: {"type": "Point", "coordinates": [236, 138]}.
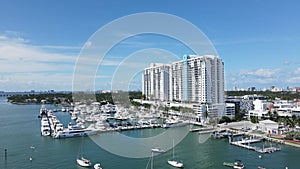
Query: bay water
{"type": "Point", "coordinates": [20, 129]}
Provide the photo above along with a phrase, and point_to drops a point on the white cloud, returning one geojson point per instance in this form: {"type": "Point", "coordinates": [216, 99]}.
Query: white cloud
{"type": "Point", "coordinates": [262, 78]}
{"type": "Point", "coordinates": [297, 71]}
{"type": "Point", "coordinates": [294, 80]}
{"type": "Point", "coordinates": [264, 73]}
{"type": "Point", "coordinates": [24, 66]}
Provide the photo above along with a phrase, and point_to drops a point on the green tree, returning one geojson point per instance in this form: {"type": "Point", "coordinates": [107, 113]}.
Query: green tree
{"type": "Point", "coordinates": [254, 119]}
{"type": "Point", "coordinates": [225, 119]}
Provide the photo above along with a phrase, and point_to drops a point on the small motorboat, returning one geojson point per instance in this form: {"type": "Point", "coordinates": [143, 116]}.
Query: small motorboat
{"type": "Point", "coordinates": [237, 164]}
{"type": "Point", "coordinates": [83, 162]}
{"type": "Point", "coordinates": [97, 166]}
{"type": "Point", "coordinates": [157, 150]}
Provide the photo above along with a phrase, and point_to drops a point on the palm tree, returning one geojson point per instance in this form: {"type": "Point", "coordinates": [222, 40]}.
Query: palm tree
{"type": "Point", "coordinates": [294, 119]}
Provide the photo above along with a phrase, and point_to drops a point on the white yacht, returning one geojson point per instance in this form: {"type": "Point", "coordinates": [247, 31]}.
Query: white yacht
{"type": "Point", "coordinates": [174, 122]}
{"type": "Point", "coordinates": [77, 126]}
{"type": "Point", "coordinates": [45, 128]}
{"type": "Point", "coordinates": [43, 110]}
{"type": "Point", "coordinates": [45, 131]}
{"type": "Point", "coordinates": [59, 127]}
{"type": "Point", "coordinates": [72, 133]}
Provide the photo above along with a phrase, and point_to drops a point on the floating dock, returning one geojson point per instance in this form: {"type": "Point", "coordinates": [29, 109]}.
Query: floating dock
{"type": "Point", "coordinates": [246, 144]}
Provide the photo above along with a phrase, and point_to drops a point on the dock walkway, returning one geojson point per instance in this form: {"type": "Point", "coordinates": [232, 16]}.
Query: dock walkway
{"type": "Point", "coordinates": [246, 144]}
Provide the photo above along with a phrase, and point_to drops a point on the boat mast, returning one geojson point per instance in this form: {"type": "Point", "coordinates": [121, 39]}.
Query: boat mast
{"type": "Point", "coordinates": [151, 160]}
{"type": "Point", "coordinates": [173, 148]}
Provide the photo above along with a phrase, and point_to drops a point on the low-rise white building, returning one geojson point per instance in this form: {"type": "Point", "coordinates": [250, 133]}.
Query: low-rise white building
{"type": "Point", "coordinates": [269, 126]}
{"type": "Point", "coordinates": [230, 110]}
{"type": "Point", "coordinates": [260, 108]}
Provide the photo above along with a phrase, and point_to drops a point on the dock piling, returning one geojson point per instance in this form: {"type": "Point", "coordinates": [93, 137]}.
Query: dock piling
{"type": "Point", "coordinates": [5, 154]}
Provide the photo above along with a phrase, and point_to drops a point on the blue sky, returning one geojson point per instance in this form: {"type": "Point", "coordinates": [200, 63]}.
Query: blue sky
{"type": "Point", "coordinates": [41, 40]}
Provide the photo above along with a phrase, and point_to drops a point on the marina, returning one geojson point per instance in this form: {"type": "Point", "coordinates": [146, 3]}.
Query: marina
{"type": "Point", "coordinates": [95, 119]}
{"type": "Point", "coordinates": [247, 140]}
{"type": "Point", "coordinates": [62, 153]}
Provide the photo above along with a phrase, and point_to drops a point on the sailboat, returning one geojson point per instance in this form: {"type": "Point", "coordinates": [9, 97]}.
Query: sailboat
{"type": "Point", "coordinates": [83, 161]}
{"type": "Point", "coordinates": [174, 162]}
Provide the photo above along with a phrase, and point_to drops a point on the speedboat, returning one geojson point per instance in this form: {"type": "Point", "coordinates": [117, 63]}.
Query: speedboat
{"type": "Point", "coordinates": [97, 166]}
{"type": "Point", "coordinates": [238, 165]}
{"type": "Point", "coordinates": [83, 162]}
{"type": "Point", "coordinates": [157, 150]}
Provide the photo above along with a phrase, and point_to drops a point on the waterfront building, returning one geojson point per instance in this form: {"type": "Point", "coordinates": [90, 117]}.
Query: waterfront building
{"type": "Point", "coordinates": [269, 126]}
{"type": "Point", "coordinates": [198, 79]}
{"type": "Point", "coordinates": [155, 82]}
{"type": "Point", "coordinates": [261, 108]}
{"type": "Point", "coordinates": [230, 110]}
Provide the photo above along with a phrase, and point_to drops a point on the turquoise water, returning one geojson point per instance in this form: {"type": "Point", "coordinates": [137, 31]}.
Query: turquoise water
{"type": "Point", "coordinates": [20, 128]}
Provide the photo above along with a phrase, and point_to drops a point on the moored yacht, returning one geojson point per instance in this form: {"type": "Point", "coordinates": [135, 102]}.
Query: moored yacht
{"type": "Point", "coordinates": [174, 122]}
{"type": "Point", "coordinates": [77, 126]}
{"type": "Point", "coordinates": [66, 133]}
{"type": "Point", "coordinates": [59, 127]}
{"type": "Point", "coordinates": [45, 128]}
{"type": "Point", "coordinates": [43, 110]}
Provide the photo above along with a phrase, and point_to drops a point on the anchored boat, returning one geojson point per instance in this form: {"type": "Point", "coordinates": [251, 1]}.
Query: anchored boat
{"type": "Point", "coordinates": [157, 150]}
{"type": "Point", "coordinates": [237, 164]}
{"type": "Point", "coordinates": [174, 162]}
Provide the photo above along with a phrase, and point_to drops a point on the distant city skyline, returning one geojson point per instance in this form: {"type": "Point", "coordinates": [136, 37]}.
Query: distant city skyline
{"type": "Point", "coordinates": [258, 41]}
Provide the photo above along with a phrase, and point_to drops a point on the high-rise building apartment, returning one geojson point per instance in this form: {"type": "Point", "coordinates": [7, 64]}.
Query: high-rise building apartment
{"type": "Point", "coordinates": [198, 79]}
{"type": "Point", "coordinates": [156, 81]}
